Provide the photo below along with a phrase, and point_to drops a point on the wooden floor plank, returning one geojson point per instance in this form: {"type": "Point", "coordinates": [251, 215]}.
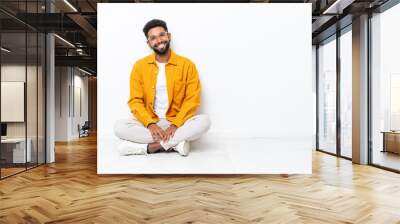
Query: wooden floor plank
{"type": "Point", "coordinates": [70, 191]}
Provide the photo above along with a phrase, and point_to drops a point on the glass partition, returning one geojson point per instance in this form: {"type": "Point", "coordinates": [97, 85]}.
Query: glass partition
{"type": "Point", "coordinates": [327, 96]}
{"type": "Point", "coordinates": [346, 94]}
{"type": "Point", "coordinates": [14, 153]}
{"type": "Point", "coordinates": [22, 67]}
{"type": "Point", "coordinates": [385, 89]}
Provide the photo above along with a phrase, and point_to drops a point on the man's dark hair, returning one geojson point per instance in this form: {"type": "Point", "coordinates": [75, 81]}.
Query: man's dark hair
{"type": "Point", "coordinates": [154, 23]}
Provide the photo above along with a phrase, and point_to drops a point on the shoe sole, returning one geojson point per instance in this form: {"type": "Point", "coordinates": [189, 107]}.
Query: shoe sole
{"type": "Point", "coordinates": [127, 152]}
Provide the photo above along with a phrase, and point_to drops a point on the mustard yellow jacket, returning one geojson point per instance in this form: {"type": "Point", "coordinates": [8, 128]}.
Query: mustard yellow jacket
{"type": "Point", "coordinates": [183, 86]}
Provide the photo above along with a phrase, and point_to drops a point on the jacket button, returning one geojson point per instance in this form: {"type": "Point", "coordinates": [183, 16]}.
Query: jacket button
{"type": "Point", "coordinates": [152, 87]}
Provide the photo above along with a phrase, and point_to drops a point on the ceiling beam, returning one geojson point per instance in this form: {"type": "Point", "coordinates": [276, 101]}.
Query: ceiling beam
{"type": "Point", "coordinates": [337, 7]}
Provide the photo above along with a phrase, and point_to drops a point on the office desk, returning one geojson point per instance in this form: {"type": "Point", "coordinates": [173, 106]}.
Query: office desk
{"type": "Point", "coordinates": [391, 141]}
{"type": "Point", "coordinates": [15, 148]}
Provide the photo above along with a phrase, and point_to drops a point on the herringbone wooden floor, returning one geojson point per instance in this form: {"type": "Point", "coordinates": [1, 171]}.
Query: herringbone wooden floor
{"type": "Point", "coordinates": [70, 191]}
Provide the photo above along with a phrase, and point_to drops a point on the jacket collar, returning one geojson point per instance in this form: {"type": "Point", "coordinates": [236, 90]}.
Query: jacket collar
{"type": "Point", "coordinates": [172, 58]}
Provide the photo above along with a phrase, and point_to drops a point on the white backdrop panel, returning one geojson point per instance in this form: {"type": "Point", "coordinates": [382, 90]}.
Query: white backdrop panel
{"type": "Point", "coordinates": [254, 62]}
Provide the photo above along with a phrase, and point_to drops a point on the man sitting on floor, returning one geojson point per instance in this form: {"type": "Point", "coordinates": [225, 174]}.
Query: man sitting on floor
{"type": "Point", "coordinates": [164, 97]}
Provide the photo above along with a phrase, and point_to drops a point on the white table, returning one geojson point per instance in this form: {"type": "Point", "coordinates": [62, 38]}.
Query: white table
{"type": "Point", "coordinates": [19, 155]}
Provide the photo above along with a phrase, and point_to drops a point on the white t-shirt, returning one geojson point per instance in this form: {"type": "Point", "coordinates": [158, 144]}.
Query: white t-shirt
{"type": "Point", "coordinates": [161, 99]}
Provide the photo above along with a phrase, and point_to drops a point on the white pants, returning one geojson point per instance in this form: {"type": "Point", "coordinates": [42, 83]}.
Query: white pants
{"type": "Point", "coordinates": [134, 131]}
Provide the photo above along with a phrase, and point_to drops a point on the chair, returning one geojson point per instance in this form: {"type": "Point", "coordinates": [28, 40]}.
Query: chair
{"type": "Point", "coordinates": [84, 130]}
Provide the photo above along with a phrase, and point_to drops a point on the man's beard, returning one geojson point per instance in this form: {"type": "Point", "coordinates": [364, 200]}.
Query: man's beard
{"type": "Point", "coordinates": [163, 51]}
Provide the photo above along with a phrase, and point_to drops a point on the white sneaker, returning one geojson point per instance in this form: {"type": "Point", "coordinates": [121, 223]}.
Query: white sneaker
{"type": "Point", "coordinates": [183, 148]}
{"type": "Point", "coordinates": [127, 148]}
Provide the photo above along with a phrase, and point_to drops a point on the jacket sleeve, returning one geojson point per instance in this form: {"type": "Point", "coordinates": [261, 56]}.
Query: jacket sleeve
{"type": "Point", "coordinates": [191, 101]}
{"type": "Point", "coordinates": [136, 99]}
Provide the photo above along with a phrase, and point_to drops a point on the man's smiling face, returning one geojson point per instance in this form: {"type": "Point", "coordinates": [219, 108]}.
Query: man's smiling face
{"type": "Point", "coordinates": [158, 39]}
